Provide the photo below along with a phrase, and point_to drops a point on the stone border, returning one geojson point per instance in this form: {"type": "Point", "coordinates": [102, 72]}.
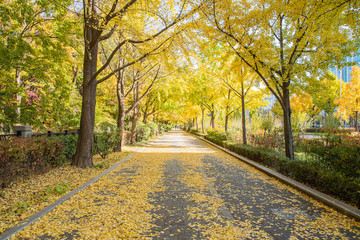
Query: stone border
{"type": "Point", "coordinates": [19, 227]}
{"type": "Point", "coordinates": [340, 206]}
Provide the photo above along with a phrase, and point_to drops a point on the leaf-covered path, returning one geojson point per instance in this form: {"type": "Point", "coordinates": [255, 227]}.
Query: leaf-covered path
{"type": "Point", "coordinates": [181, 188]}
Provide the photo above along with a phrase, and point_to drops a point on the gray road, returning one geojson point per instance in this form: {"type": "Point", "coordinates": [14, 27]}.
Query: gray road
{"type": "Point", "coordinates": [182, 188]}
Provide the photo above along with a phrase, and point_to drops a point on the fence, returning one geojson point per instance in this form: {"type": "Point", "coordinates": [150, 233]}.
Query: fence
{"type": "Point", "coordinates": [49, 134]}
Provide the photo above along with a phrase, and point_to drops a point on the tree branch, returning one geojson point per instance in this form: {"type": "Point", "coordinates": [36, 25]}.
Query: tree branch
{"type": "Point", "coordinates": [144, 94]}
{"type": "Point", "coordinates": [109, 34]}
{"type": "Point", "coordinates": [130, 63]}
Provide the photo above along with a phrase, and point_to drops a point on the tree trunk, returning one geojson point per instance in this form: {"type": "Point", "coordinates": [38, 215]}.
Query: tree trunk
{"type": "Point", "coordinates": [121, 116]}
{"type": "Point", "coordinates": [356, 121]}
{"type": "Point", "coordinates": [226, 122]}
{"type": "Point", "coordinates": [145, 116]}
{"type": "Point", "coordinates": [18, 96]}
{"type": "Point", "coordinates": [202, 120]}
{"type": "Point", "coordinates": [146, 110]}
{"type": "Point", "coordinates": [289, 143]}
{"type": "Point", "coordinates": [135, 113]}
{"type": "Point", "coordinates": [197, 125]}
{"type": "Point", "coordinates": [243, 114]}
{"type": "Point", "coordinates": [212, 121]}
{"type": "Point", "coordinates": [75, 74]}
{"type": "Point", "coordinates": [84, 152]}
{"type": "Point", "coordinates": [133, 127]}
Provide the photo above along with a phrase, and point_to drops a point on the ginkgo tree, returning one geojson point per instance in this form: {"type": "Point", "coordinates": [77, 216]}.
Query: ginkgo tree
{"type": "Point", "coordinates": [152, 22]}
{"type": "Point", "coordinates": [303, 109]}
{"type": "Point", "coordinates": [349, 102]}
{"type": "Point", "coordinates": [239, 78]}
{"type": "Point", "coordinates": [323, 92]}
{"type": "Point", "coordinates": [283, 41]}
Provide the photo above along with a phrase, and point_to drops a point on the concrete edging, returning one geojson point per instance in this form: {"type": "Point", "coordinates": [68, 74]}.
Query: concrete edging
{"type": "Point", "coordinates": [340, 206]}
{"type": "Point", "coordinates": [20, 226]}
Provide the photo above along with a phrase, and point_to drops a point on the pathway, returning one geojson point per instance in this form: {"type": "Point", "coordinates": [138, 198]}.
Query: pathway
{"type": "Point", "coordinates": [182, 188]}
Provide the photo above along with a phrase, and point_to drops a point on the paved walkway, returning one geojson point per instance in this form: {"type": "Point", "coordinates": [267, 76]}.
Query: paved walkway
{"type": "Point", "coordinates": [182, 188]}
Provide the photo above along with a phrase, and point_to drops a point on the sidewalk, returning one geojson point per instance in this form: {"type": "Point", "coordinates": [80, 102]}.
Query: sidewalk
{"type": "Point", "coordinates": [182, 188]}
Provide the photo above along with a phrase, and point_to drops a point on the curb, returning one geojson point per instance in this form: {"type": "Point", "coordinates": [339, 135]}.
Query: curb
{"type": "Point", "coordinates": [20, 226]}
{"type": "Point", "coordinates": [339, 206]}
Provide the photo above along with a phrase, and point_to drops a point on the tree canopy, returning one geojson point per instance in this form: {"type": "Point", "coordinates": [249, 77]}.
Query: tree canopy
{"type": "Point", "coordinates": [68, 64]}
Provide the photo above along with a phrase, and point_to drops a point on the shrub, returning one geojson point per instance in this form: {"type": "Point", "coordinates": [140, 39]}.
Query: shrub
{"type": "Point", "coordinates": [339, 152]}
{"type": "Point", "coordinates": [23, 156]}
{"type": "Point", "coordinates": [106, 139]}
{"type": "Point", "coordinates": [216, 137]}
{"type": "Point", "coordinates": [168, 127]}
{"type": "Point", "coordinates": [143, 132]}
{"type": "Point", "coordinates": [153, 128]}
{"type": "Point", "coordinates": [70, 144]}
{"type": "Point", "coordinates": [272, 141]}
{"type": "Point", "coordinates": [267, 125]}
{"type": "Point", "coordinates": [311, 172]}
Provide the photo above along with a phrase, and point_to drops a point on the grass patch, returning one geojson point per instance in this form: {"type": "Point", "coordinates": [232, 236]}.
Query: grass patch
{"type": "Point", "coordinates": [59, 189]}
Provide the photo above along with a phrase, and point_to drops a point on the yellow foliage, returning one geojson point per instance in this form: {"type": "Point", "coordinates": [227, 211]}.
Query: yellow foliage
{"type": "Point", "coordinates": [349, 103]}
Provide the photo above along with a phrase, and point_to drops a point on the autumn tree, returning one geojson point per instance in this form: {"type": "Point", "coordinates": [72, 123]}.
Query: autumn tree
{"type": "Point", "coordinates": [349, 102]}
{"type": "Point", "coordinates": [101, 19]}
{"type": "Point", "coordinates": [38, 39]}
{"type": "Point", "coordinates": [284, 41]}
{"type": "Point", "coordinates": [323, 92]}
{"type": "Point", "coordinates": [304, 110]}
{"type": "Point", "coordinates": [239, 78]}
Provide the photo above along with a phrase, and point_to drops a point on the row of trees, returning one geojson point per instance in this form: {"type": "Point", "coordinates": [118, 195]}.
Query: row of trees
{"type": "Point", "coordinates": [224, 86]}
{"type": "Point", "coordinates": [70, 63]}
{"type": "Point", "coordinates": [288, 44]}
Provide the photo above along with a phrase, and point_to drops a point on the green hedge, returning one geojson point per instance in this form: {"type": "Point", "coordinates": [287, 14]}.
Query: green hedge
{"type": "Point", "coordinates": [165, 127]}
{"type": "Point", "coordinates": [340, 152]}
{"type": "Point", "coordinates": [143, 132]}
{"type": "Point", "coordinates": [215, 139]}
{"type": "Point", "coordinates": [105, 139]}
{"type": "Point", "coordinates": [193, 131]}
{"type": "Point", "coordinates": [70, 144]}
{"type": "Point", "coordinates": [310, 172]}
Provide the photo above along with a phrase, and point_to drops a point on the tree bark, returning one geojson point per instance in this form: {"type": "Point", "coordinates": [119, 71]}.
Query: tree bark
{"type": "Point", "coordinates": [226, 122]}
{"type": "Point", "coordinates": [197, 125]}
{"type": "Point", "coordinates": [356, 121]}
{"type": "Point", "coordinates": [18, 96]}
{"type": "Point", "coordinates": [121, 104]}
{"type": "Point", "coordinates": [289, 143]}
{"type": "Point", "coordinates": [202, 120]}
{"type": "Point", "coordinates": [145, 113]}
{"type": "Point", "coordinates": [135, 113]}
{"type": "Point", "coordinates": [212, 121]}
{"type": "Point", "coordinates": [84, 152]}
{"type": "Point", "coordinates": [243, 114]}
{"type": "Point", "coordinates": [75, 74]}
